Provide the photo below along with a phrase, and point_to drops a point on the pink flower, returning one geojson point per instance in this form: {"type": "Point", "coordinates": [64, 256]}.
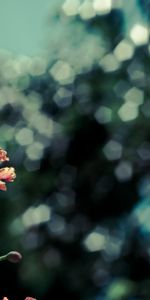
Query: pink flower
{"type": "Point", "coordinates": [27, 298]}
{"type": "Point", "coordinates": [3, 155]}
{"type": "Point", "coordinates": [6, 174]}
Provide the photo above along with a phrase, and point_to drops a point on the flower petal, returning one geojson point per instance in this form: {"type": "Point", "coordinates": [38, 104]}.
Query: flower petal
{"type": "Point", "coordinates": [7, 174]}
{"type": "Point", "coordinates": [2, 186]}
{"type": "Point", "coordinates": [3, 155]}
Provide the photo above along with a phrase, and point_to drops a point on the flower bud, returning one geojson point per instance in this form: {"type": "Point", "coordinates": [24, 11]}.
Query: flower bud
{"type": "Point", "coordinates": [29, 298]}
{"type": "Point", "coordinates": [14, 256]}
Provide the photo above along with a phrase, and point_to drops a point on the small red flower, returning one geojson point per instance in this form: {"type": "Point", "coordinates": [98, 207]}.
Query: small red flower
{"type": "Point", "coordinates": [6, 174]}
{"type": "Point", "coordinates": [27, 298]}
{"type": "Point", "coordinates": [3, 155]}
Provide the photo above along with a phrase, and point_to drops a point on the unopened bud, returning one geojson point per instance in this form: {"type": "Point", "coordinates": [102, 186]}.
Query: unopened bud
{"type": "Point", "coordinates": [29, 298]}
{"type": "Point", "coordinates": [14, 256]}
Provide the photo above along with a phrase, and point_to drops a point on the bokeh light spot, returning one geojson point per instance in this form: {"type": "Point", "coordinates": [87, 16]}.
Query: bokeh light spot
{"type": "Point", "coordinates": [62, 72]}
{"type": "Point", "coordinates": [124, 171]}
{"type": "Point", "coordinates": [128, 112]}
{"type": "Point", "coordinates": [36, 215]}
{"type": "Point", "coordinates": [24, 136]}
{"type": "Point", "coordinates": [103, 114]}
{"type": "Point", "coordinates": [102, 7]}
{"type": "Point", "coordinates": [124, 51]}
{"type": "Point", "coordinates": [95, 242]}
{"type": "Point", "coordinates": [35, 151]}
{"type": "Point", "coordinates": [139, 35]}
{"type": "Point", "coordinates": [112, 150]}
{"type": "Point", "coordinates": [109, 63]}
{"type": "Point", "coordinates": [70, 7]}
{"type": "Point", "coordinates": [86, 10]}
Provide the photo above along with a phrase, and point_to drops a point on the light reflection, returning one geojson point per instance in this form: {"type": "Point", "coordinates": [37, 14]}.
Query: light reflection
{"type": "Point", "coordinates": [117, 4]}
{"type": "Point", "coordinates": [63, 97]}
{"type": "Point", "coordinates": [95, 241]}
{"type": "Point", "coordinates": [9, 95]}
{"type": "Point", "coordinates": [38, 66]}
{"type": "Point", "coordinates": [144, 151]}
{"type": "Point", "coordinates": [57, 225]}
{"type": "Point", "coordinates": [142, 213]}
{"type": "Point", "coordinates": [35, 151]}
{"type": "Point", "coordinates": [139, 35]}
{"type": "Point", "coordinates": [101, 240]}
{"type": "Point", "coordinates": [109, 63]}
{"type": "Point", "coordinates": [144, 187]}
{"type": "Point", "coordinates": [24, 136]}
{"type": "Point", "coordinates": [15, 67]}
{"type": "Point", "coordinates": [102, 7]}
{"type": "Point", "coordinates": [70, 7]}
{"type": "Point", "coordinates": [10, 70]}
{"type": "Point", "coordinates": [113, 150]}
{"type": "Point", "coordinates": [135, 96]}
{"type": "Point", "coordinates": [23, 63]}
{"type": "Point", "coordinates": [120, 289]}
{"type": "Point", "coordinates": [7, 132]}
{"type": "Point", "coordinates": [113, 247]}
{"type": "Point", "coordinates": [16, 227]}
{"type": "Point", "coordinates": [62, 72]}
{"type": "Point", "coordinates": [136, 73]}
{"type": "Point", "coordinates": [36, 215]}
{"type": "Point", "coordinates": [124, 171]}
{"type": "Point", "coordinates": [128, 112]}
{"type": "Point", "coordinates": [124, 50]}
{"type": "Point", "coordinates": [86, 10]}
{"type": "Point", "coordinates": [22, 83]}
{"type": "Point", "coordinates": [42, 124]}
{"type": "Point", "coordinates": [103, 115]}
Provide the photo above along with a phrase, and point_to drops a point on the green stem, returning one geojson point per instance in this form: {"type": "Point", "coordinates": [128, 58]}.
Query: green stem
{"type": "Point", "coordinates": [4, 257]}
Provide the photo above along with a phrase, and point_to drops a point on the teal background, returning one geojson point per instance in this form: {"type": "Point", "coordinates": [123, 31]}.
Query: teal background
{"type": "Point", "coordinates": [23, 25]}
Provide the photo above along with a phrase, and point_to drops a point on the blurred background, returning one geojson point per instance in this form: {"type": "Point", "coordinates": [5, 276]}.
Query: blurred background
{"type": "Point", "coordinates": [74, 116]}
